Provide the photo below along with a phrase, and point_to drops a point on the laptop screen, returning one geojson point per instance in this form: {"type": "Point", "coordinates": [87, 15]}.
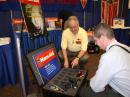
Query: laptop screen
{"type": "Point", "coordinates": [44, 63]}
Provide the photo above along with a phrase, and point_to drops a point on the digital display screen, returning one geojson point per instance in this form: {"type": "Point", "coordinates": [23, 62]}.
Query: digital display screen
{"type": "Point", "coordinates": [47, 63]}
{"type": "Point", "coordinates": [44, 63]}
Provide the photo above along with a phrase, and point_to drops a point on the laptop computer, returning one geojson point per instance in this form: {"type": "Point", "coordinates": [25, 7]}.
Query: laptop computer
{"type": "Point", "coordinates": [49, 74]}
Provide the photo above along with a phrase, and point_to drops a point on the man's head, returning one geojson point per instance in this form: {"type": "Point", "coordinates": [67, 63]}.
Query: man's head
{"type": "Point", "coordinates": [73, 24]}
{"type": "Point", "coordinates": [103, 35]}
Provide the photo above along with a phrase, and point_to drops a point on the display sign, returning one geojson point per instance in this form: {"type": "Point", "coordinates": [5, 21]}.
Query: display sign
{"type": "Point", "coordinates": [33, 2]}
{"type": "Point", "coordinates": [19, 25]}
{"type": "Point", "coordinates": [47, 63]}
{"type": "Point", "coordinates": [33, 15]}
{"type": "Point", "coordinates": [83, 3]}
{"type": "Point", "coordinates": [118, 23]}
{"type": "Point", "coordinates": [53, 23]}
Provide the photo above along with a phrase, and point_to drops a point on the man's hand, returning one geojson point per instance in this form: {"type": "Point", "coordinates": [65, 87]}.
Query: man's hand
{"type": "Point", "coordinates": [75, 62]}
{"type": "Point", "coordinates": [66, 64]}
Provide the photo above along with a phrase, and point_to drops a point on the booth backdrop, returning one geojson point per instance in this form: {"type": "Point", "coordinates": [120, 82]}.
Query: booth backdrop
{"type": "Point", "coordinates": [8, 63]}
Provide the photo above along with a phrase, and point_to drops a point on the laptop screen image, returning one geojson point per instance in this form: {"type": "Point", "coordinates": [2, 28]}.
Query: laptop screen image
{"type": "Point", "coordinates": [44, 63]}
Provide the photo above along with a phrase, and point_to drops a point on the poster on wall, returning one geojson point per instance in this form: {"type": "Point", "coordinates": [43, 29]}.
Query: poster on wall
{"type": "Point", "coordinates": [34, 18]}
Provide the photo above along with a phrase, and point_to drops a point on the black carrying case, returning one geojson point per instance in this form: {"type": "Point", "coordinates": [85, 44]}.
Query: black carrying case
{"type": "Point", "coordinates": [65, 82]}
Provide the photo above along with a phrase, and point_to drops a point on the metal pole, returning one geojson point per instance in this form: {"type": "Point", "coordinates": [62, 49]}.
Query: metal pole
{"type": "Point", "coordinates": [84, 19]}
{"type": "Point", "coordinates": [18, 51]}
{"type": "Point", "coordinates": [20, 66]}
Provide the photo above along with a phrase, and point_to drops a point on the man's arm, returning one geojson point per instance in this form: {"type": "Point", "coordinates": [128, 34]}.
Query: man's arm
{"type": "Point", "coordinates": [81, 53]}
{"type": "Point", "coordinates": [75, 62]}
{"type": "Point", "coordinates": [66, 63]}
{"type": "Point", "coordinates": [64, 47]}
{"type": "Point", "coordinates": [107, 69]}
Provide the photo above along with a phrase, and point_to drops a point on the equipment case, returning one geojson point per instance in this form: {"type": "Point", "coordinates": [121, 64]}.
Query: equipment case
{"type": "Point", "coordinates": [50, 76]}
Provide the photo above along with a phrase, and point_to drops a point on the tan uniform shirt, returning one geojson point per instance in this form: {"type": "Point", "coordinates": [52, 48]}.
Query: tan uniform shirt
{"type": "Point", "coordinates": [73, 42]}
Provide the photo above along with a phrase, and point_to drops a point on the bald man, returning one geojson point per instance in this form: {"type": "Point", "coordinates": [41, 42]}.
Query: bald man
{"type": "Point", "coordinates": [74, 44]}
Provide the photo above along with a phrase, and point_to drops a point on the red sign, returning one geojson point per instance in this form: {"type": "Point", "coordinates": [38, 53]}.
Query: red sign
{"type": "Point", "coordinates": [17, 21]}
{"type": "Point", "coordinates": [83, 3]}
{"type": "Point", "coordinates": [33, 2]}
{"type": "Point", "coordinates": [61, 1]}
{"type": "Point", "coordinates": [44, 57]}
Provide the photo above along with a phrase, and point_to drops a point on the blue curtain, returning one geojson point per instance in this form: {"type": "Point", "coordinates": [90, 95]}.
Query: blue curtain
{"type": "Point", "coordinates": [123, 35]}
{"type": "Point", "coordinates": [92, 10]}
{"type": "Point", "coordinates": [127, 14]}
{"type": "Point", "coordinates": [5, 24]}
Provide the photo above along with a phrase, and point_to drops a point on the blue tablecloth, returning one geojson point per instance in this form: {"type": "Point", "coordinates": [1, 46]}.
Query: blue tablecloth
{"type": "Point", "coordinates": [8, 67]}
{"type": "Point", "coordinates": [29, 44]}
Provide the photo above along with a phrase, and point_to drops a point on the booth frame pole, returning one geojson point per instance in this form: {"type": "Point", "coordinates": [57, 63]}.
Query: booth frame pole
{"type": "Point", "coordinates": [20, 66]}
{"type": "Point", "coordinates": [84, 19]}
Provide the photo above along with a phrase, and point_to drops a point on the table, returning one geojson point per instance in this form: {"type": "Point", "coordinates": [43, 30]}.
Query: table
{"type": "Point", "coordinates": [28, 44]}
{"type": "Point", "coordinates": [8, 66]}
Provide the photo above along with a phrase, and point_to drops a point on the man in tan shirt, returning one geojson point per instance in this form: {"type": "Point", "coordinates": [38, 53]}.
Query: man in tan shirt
{"type": "Point", "coordinates": [74, 44]}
